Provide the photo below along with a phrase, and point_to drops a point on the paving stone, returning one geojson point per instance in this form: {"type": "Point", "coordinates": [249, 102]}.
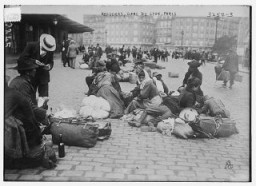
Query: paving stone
{"type": "Point", "coordinates": [53, 178]}
{"type": "Point", "coordinates": [177, 178]}
{"type": "Point", "coordinates": [65, 162]}
{"type": "Point", "coordinates": [115, 175]}
{"type": "Point", "coordinates": [154, 177]}
{"type": "Point", "coordinates": [103, 160]}
{"type": "Point", "coordinates": [11, 177]}
{"type": "Point", "coordinates": [124, 170]}
{"type": "Point", "coordinates": [91, 163]}
{"type": "Point", "coordinates": [10, 171]}
{"type": "Point", "coordinates": [49, 173]}
{"type": "Point", "coordinates": [177, 167]}
{"type": "Point", "coordinates": [30, 177]}
{"type": "Point", "coordinates": [83, 167]}
{"type": "Point", "coordinates": [94, 174]}
{"type": "Point", "coordinates": [137, 177]}
{"type": "Point", "coordinates": [144, 171]}
{"type": "Point", "coordinates": [29, 171]}
{"type": "Point", "coordinates": [63, 167]}
{"type": "Point", "coordinates": [103, 169]}
{"type": "Point", "coordinates": [164, 172]}
{"type": "Point", "coordinates": [71, 173]}
{"type": "Point", "coordinates": [82, 159]}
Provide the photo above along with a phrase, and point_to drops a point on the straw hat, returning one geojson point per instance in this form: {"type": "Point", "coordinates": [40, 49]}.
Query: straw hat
{"type": "Point", "coordinates": [188, 114]}
{"type": "Point", "coordinates": [48, 42]}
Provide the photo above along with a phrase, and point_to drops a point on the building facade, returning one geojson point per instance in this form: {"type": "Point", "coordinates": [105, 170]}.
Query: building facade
{"type": "Point", "coordinates": [162, 32]}
{"type": "Point", "coordinates": [243, 42]}
{"type": "Point", "coordinates": [130, 31]}
{"type": "Point", "coordinates": [193, 32]}
{"type": "Point", "coordinates": [96, 22]}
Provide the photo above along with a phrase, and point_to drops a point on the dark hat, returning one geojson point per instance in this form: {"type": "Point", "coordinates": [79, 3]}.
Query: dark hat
{"type": "Point", "coordinates": [156, 74]}
{"type": "Point", "coordinates": [194, 64]}
{"type": "Point", "coordinates": [138, 62]}
{"type": "Point", "coordinates": [27, 64]}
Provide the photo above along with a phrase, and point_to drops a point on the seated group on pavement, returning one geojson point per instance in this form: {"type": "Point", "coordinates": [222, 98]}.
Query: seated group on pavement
{"type": "Point", "coordinates": [150, 105]}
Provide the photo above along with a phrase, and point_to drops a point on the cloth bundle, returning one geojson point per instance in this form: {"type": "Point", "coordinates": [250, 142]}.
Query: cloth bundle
{"type": "Point", "coordinates": [95, 107]}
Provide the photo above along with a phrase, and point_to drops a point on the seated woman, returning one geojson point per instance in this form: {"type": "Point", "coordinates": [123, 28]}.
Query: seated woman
{"type": "Point", "coordinates": [187, 97]}
{"type": "Point", "coordinates": [105, 85]}
{"type": "Point", "coordinates": [148, 95]}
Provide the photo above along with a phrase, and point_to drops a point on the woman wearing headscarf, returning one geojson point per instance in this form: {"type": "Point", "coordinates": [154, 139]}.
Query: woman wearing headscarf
{"type": "Point", "coordinates": [148, 94]}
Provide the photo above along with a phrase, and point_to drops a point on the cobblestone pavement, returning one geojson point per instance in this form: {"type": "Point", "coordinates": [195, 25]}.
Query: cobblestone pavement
{"type": "Point", "coordinates": [132, 155]}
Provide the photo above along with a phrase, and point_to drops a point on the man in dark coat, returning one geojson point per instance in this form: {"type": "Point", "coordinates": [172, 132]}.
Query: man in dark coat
{"type": "Point", "coordinates": [23, 85]}
{"type": "Point", "coordinates": [42, 52]}
{"type": "Point", "coordinates": [231, 65]}
{"type": "Point", "coordinates": [98, 51]}
{"type": "Point", "coordinates": [65, 45]}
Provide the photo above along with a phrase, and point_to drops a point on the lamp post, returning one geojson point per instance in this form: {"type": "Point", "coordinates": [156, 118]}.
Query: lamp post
{"type": "Point", "coordinates": [217, 18]}
{"type": "Point", "coordinates": [172, 19]}
{"type": "Point", "coordinates": [182, 34]}
{"type": "Point", "coordinates": [106, 41]}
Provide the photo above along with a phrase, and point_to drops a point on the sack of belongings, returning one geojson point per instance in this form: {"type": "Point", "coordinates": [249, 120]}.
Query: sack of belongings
{"type": "Point", "coordinates": [210, 127]}
{"type": "Point", "coordinates": [177, 126]}
{"type": "Point", "coordinates": [215, 107]}
{"type": "Point", "coordinates": [74, 132]}
{"type": "Point", "coordinates": [182, 129]}
{"type": "Point", "coordinates": [166, 126]}
{"type": "Point", "coordinates": [84, 66]}
{"type": "Point", "coordinates": [95, 107]}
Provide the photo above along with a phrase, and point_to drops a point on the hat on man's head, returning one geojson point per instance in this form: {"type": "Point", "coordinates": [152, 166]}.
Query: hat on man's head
{"type": "Point", "coordinates": [156, 74]}
{"type": "Point", "coordinates": [194, 64]}
{"type": "Point", "coordinates": [27, 64]}
{"type": "Point", "coordinates": [138, 62]}
{"type": "Point", "coordinates": [48, 42]}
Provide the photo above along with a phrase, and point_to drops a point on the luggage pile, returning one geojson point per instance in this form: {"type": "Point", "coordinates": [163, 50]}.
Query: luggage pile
{"type": "Point", "coordinates": [81, 128]}
{"type": "Point", "coordinates": [213, 122]}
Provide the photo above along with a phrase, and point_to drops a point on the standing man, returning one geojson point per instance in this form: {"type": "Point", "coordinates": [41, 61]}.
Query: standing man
{"type": "Point", "coordinates": [128, 52]}
{"type": "Point", "coordinates": [98, 51]}
{"type": "Point", "coordinates": [42, 52]}
{"type": "Point", "coordinates": [134, 52]}
{"type": "Point", "coordinates": [231, 65]}
{"type": "Point", "coordinates": [64, 50]}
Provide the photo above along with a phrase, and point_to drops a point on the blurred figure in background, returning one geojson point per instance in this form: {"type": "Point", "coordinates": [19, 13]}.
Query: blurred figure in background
{"type": "Point", "coordinates": [72, 52]}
